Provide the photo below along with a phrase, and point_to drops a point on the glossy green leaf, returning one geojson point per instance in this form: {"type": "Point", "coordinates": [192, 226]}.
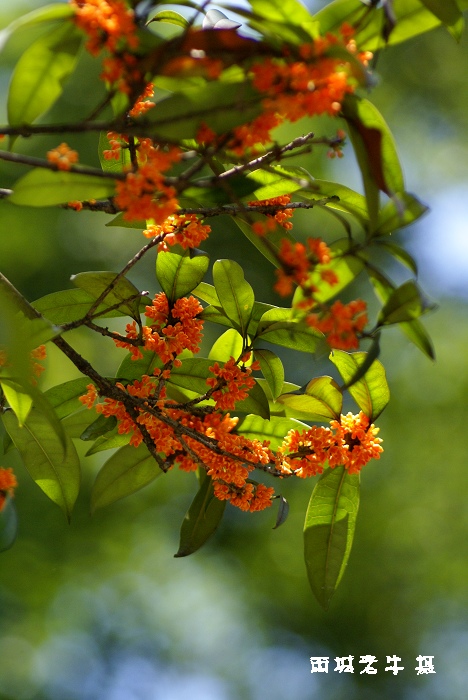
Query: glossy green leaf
{"type": "Point", "coordinates": [179, 274]}
{"type": "Point", "coordinates": [110, 441]}
{"type": "Point", "coordinates": [279, 180]}
{"type": "Point", "coordinates": [171, 18]}
{"type": "Point", "coordinates": [375, 151]}
{"type": "Point", "coordinates": [100, 426]}
{"type": "Point", "coordinates": [64, 398]}
{"type": "Point", "coordinates": [54, 469]}
{"type": "Point", "coordinates": [398, 253]}
{"type": "Point", "coordinates": [412, 19]}
{"type": "Point", "coordinates": [399, 212]}
{"type": "Point", "coordinates": [229, 344]}
{"type": "Point", "coordinates": [76, 422]}
{"type": "Point", "coordinates": [134, 369]}
{"type": "Point", "coordinates": [8, 524]}
{"type": "Point", "coordinates": [19, 399]}
{"type": "Point", "coordinates": [45, 188]}
{"type": "Point", "coordinates": [122, 294]}
{"type": "Point", "coordinates": [128, 470]}
{"type": "Point", "coordinates": [371, 392]}
{"type": "Point", "coordinates": [321, 400]}
{"type": "Point", "coordinates": [272, 369]}
{"type": "Point", "coordinates": [219, 105]}
{"type": "Point", "coordinates": [71, 305]}
{"type": "Point", "coordinates": [50, 13]}
{"type": "Point", "coordinates": [207, 293]}
{"type": "Point", "coordinates": [296, 335]}
{"type": "Point", "coordinates": [201, 520]}
{"type": "Point", "coordinates": [273, 430]}
{"type": "Point", "coordinates": [446, 10]}
{"type": "Point", "coordinates": [348, 200]}
{"type": "Point", "coordinates": [406, 303]}
{"type": "Point", "coordinates": [329, 530]}
{"type": "Point", "coordinates": [41, 73]}
{"type": "Point", "coordinates": [235, 294]}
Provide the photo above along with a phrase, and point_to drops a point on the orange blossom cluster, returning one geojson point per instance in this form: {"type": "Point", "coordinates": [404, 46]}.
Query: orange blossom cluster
{"type": "Point", "coordinates": [341, 323]}
{"type": "Point", "coordinates": [185, 230]}
{"type": "Point", "coordinates": [7, 484]}
{"type": "Point", "coordinates": [62, 156]}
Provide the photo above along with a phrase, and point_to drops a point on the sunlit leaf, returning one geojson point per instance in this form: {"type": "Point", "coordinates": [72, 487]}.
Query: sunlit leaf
{"type": "Point", "coordinates": [320, 400]}
{"type": "Point", "coordinates": [100, 426]}
{"type": "Point", "coordinates": [201, 520]}
{"type": "Point", "coordinates": [110, 441]}
{"type": "Point", "coordinates": [128, 470]}
{"type": "Point", "coordinates": [399, 212]}
{"type": "Point", "coordinates": [235, 294]}
{"type": "Point", "coordinates": [119, 292]}
{"type": "Point", "coordinates": [71, 305]}
{"type": "Point", "coordinates": [229, 344]}
{"type": "Point", "coordinates": [273, 430]}
{"type": "Point", "coordinates": [371, 392]}
{"type": "Point", "coordinates": [179, 274]}
{"type": "Point", "coordinates": [170, 17]}
{"type": "Point", "coordinates": [406, 303]}
{"type": "Point", "coordinates": [45, 188]}
{"type": "Point", "coordinates": [348, 200]}
{"type": "Point", "coordinates": [41, 73]}
{"type": "Point", "coordinates": [329, 530]}
{"type": "Point", "coordinates": [272, 369]}
{"type": "Point", "coordinates": [296, 335]}
{"type": "Point", "coordinates": [54, 469]}
{"type": "Point", "coordinates": [50, 13]}
{"type": "Point", "coordinates": [19, 399]}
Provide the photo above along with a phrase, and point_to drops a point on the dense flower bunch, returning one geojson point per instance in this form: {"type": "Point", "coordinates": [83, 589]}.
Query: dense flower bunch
{"type": "Point", "coordinates": [341, 323]}
{"type": "Point", "coordinates": [173, 329]}
{"type": "Point", "coordinates": [7, 485]}
{"type": "Point", "coordinates": [62, 156]}
{"type": "Point", "coordinates": [185, 230]}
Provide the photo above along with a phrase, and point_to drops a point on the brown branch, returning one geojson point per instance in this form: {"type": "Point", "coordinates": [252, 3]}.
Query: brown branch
{"type": "Point", "coordinates": [41, 163]}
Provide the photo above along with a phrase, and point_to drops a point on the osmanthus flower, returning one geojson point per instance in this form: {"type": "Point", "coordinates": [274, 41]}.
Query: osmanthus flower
{"type": "Point", "coordinates": [350, 442]}
{"type": "Point", "coordinates": [62, 156]}
{"type": "Point", "coordinates": [281, 216]}
{"type": "Point", "coordinates": [109, 24]}
{"type": "Point", "coordinates": [341, 323]}
{"type": "Point", "coordinates": [185, 230]}
{"type": "Point", "coordinates": [251, 497]}
{"type": "Point", "coordinates": [7, 485]}
{"type": "Point", "coordinates": [166, 336]}
{"type": "Point", "coordinates": [232, 382]}
{"type": "Point", "coordinates": [298, 260]}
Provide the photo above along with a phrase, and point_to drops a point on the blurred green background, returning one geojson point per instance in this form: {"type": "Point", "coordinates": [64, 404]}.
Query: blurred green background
{"type": "Point", "coordinates": [100, 609]}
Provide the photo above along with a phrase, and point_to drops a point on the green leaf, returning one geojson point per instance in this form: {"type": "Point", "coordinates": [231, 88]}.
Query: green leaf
{"type": "Point", "coordinates": [109, 441]}
{"type": "Point", "coordinates": [201, 520]}
{"type": "Point", "coordinates": [406, 303]}
{"type": "Point", "coordinates": [64, 398]}
{"type": "Point", "coordinates": [414, 330]}
{"type": "Point", "coordinates": [71, 305]}
{"type": "Point", "coordinates": [128, 470]}
{"type": "Point", "coordinates": [349, 201]}
{"type": "Point", "coordinates": [19, 399]}
{"type": "Point", "coordinates": [76, 422]}
{"type": "Point", "coordinates": [235, 294]}
{"type": "Point", "coordinates": [8, 524]}
{"type": "Point", "coordinates": [283, 512]}
{"type": "Point", "coordinates": [220, 105]}
{"type": "Point", "coordinates": [45, 188]}
{"type": "Point", "coordinates": [50, 13]}
{"type": "Point", "coordinates": [398, 253]}
{"type": "Point", "coordinates": [179, 274]}
{"type": "Point", "coordinates": [122, 294]}
{"type": "Point", "coordinates": [229, 344]}
{"type": "Point", "coordinates": [100, 426]}
{"type": "Point", "coordinates": [371, 392]}
{"type": "Point", "coordinates": [274, 430]}
{"type": "Point", "coordinates": [207, 293]}
{"type": "Point", "coordinates": [123, 162]}
{"type": "Point", "coordinates": [41, 73]}
{"type": "Point", "coordinates": [446, 10]}
{"type": "Point", "coordinates": [171, 18]}
{"type": "Point", "coordinates": [375, 151]}
{"type": "Point", "coordinates": [398, 213]}
{"type": "Point", "coordinates": [134, 369]}
{"type": "Point", "coordinates": [54, 469]}
{"type": "Point", "coordinates": [272, 369]}
{"type": "Point", "coordinates": [329, 530]}
{"type": "Point", "coordinates": [321, 400]}
{"type": "Point", "coordinates": [296, 335]}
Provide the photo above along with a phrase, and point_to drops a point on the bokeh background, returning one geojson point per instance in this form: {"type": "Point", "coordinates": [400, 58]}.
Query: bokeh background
{"type": "Point", "coordinates": [100, 609]}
